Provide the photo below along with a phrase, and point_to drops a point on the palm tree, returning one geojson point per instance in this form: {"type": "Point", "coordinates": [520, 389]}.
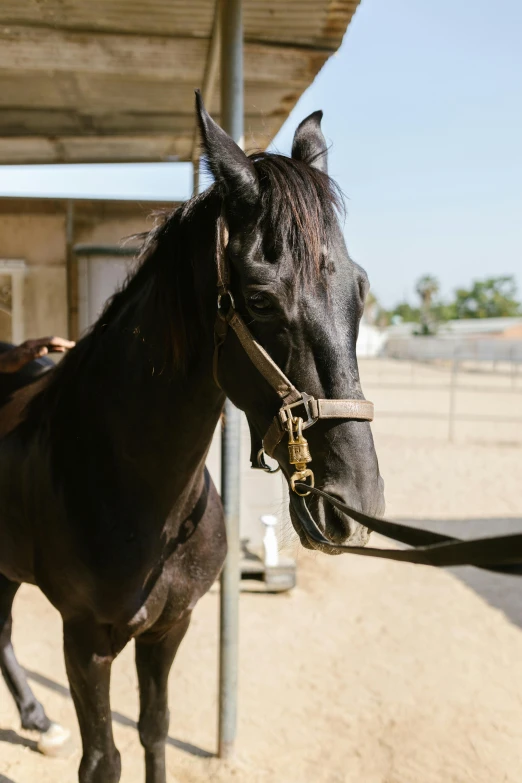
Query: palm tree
{"type": "Point", "coordinates": [426, 287]}
{"type": "Point", "coordinates": [371, 308]}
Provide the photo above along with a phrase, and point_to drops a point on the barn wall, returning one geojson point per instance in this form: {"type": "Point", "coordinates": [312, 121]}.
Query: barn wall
{"type": "Point", "coordinates": [39, 240]}
{"type": "Point", "coordinates": [34, 231]}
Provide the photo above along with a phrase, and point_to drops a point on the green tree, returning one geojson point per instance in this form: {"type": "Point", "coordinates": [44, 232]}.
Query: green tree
{"type": "Point", "coordinates": [406, 313]}
{"type": "Point", "coordinates": [371, 307]}
{"type": "Point", "coordinates": [493, 297]}
{"type": "Point", "coordinates": [427, 288]}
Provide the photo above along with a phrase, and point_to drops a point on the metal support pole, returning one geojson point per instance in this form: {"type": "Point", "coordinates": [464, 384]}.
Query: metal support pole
{"type": "Point", "coordinates": [207, 89]}
{"type": "Point", "coordinates": [72, 273]}
{"type": "Point", "coordinates": [232, 122]}
{"type": "Point", "coordinates": [232, 69]}
{"type": "Point", "coordinates": [453, 390]}
{"type": "Point", "coordinates": [229, 608]}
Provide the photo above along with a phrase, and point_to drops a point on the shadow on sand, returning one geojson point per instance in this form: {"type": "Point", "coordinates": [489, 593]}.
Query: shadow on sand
{"type": "Point", "coordinates": [123, 720]}
{"type": "Point", "coordinates": [501, 592]}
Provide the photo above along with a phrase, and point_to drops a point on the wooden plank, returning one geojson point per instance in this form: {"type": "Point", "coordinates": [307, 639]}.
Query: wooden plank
{"type": "Point", "coordinates": [306, 22]}
{"type": "Point", "coordinates": [114, 95]}
{"type": "Point", "coordinates": [99, 149]}
{"type": "Point", "coordinates": [45, 122]}
{"type": "Point", "coordinates": [93, 149]}
{"type": "Point", "coordinates": [31, 49]}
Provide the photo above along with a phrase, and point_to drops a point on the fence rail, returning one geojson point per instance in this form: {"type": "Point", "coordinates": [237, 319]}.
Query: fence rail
{"type": "Point", "coordinates": [450, 369]}
{"type": "Point", "coordinates": [472, 349]}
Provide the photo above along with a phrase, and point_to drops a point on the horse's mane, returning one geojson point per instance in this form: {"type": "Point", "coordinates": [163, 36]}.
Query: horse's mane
{"type": "Point", "coordinates": [163, 297]}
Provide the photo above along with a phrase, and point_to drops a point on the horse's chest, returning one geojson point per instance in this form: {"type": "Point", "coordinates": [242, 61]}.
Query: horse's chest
{"type": "Point", "coordinates": [174, 593]}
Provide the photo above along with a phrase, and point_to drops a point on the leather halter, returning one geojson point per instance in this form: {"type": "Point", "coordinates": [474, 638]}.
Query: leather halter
{"type": "Point", "coordinates": [500, 553]}
{"type": "Point", "coordinates": [291, 398]}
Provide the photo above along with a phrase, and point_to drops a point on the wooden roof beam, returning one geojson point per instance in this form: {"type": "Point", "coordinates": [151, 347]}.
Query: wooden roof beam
{"type": "Point", "coordinates": [29, 49]}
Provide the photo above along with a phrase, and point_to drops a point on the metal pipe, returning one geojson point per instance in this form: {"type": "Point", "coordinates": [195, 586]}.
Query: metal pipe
{"type": "Point", "coordinates": [207, 88]}
{"type": "Point", "coordinates": [232, 122]}
{"type": "Point", "coordinates": [452, 393]}
{"type": "Point", "coordinates": [72, 273]}
{"type": "Point", "coordinates": [232, 112]}
{"type": "Point", "coordinates": [230, 576]}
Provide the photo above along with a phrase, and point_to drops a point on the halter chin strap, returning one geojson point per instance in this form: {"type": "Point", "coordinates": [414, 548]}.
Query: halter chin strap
{"type": "Point", "coordinates": [291, 398]}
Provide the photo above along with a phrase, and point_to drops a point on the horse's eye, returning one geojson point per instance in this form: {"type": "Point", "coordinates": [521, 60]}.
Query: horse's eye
{"type": "Point", "coordinates": [259, 303]}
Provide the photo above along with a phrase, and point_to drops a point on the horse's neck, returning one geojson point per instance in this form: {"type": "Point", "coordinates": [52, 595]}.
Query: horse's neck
{"type": "Point", "coordinates": [160, 426]}
{"type": "Point", "coordinates": [146, 421]}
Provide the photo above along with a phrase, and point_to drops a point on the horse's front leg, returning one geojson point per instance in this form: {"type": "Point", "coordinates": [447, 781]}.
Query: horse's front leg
{"type": "Point", "coordinates": [154, 657]}
{"type": "Point", "coordinates": [88, 659]}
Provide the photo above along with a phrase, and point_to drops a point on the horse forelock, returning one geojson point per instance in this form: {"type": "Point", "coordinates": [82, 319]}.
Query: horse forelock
{"type": "Point", "coordinates": [300, 204]}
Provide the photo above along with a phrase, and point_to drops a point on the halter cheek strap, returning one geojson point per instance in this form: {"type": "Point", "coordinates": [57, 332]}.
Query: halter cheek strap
{"type": "Point", "coordinates": [292, 400]}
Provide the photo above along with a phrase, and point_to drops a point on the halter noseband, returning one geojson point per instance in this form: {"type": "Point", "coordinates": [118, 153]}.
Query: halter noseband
{"type": "Point", "coordinates": [285, 422]}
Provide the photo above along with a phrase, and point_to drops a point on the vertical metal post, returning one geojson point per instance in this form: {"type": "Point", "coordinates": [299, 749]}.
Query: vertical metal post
{"type": "Point", "coordinates": [207, 88]}
{"type": "Point", "coordinates": [232, 69]}
{"type": "Point", "coordinates": [232, 122]}
{"type": "Point", "coordinates": [229, 609]}
{"type": "Point", "coordinates": [453, 389]}
{"type": "Point", "coordinates": [72, 273]}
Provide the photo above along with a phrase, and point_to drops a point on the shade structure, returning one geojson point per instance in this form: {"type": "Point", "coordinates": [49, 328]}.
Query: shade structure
{"type": "Point", "coordinates": [113, 80]}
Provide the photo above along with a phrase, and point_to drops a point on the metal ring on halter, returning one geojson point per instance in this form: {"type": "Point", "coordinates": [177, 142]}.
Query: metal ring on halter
{"type": "Point", "coordinates": [300, 476]}
{"type": "Point", "coordinates": [232, 303]}
{"type": "Point", "coordinates": [262, 464]}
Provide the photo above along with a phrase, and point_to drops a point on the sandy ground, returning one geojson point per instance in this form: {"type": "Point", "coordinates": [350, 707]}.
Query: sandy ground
{"type": "Point", "coordinates": [368, 672]}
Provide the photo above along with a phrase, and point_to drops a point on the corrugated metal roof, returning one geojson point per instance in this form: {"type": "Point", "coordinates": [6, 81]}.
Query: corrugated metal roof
{"type": "Point", "coordinates": [113, 80]}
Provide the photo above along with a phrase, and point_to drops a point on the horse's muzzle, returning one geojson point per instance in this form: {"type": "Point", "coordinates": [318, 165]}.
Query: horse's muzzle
{"type": "Point", "coordinates": [336, 526]}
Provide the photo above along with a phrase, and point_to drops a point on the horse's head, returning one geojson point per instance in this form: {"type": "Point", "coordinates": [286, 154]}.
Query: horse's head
{"type": "Point", "coordinates": [302, 298]}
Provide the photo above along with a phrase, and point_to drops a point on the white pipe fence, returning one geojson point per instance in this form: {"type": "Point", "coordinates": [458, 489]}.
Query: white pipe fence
{"type": "Point", "coordinates": [462, 363]}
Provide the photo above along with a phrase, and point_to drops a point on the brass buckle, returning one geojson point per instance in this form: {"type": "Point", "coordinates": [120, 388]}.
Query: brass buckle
{"type": "Point", "coordinates": [299, 455]}
{"type": "Point", "coordinates": [305, 402]}
{"type": "Point", "coordinates": [300, 476]}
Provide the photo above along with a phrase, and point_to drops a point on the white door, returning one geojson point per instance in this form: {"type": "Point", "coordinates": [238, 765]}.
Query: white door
{"type": "Point", "coordinates": [99, 277]}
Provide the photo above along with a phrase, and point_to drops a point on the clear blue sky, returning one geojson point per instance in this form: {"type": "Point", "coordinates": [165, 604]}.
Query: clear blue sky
{"type": "Point", "coordinates": [423, 107]}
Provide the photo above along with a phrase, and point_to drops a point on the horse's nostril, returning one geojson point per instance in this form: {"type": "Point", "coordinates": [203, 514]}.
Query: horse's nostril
{"type": "Point", "coordinates": [338, 527]}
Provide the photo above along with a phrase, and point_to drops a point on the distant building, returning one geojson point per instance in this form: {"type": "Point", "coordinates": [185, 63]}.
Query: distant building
{"type": "Point", "coordinates": [371, 340]}
{"type": "Point", "coordinates": [506, 328]}
{"type": "Point", "coordinates": [463, 328]}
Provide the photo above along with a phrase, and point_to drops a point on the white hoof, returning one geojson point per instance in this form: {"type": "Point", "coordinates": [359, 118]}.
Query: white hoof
{"type": "Point", "coordinates": [52, 741]}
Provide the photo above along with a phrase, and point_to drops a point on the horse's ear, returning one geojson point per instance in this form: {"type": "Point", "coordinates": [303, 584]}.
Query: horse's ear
{"type": "Point", "coordinates": [309, 144]}
{"type": "Point", "coordinates": [228, 163]}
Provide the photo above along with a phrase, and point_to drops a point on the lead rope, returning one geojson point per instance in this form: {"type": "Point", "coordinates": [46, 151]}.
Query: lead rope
{"type": "Point", "coordinates": [501, 554]}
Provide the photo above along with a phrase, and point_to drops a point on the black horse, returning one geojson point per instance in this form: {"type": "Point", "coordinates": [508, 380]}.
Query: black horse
{"type": "Point", "coordinates": [105, 502]}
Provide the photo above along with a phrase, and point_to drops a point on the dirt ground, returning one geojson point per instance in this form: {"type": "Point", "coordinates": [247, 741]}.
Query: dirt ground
{"type": "Point", "coordinates": [368, 672]}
